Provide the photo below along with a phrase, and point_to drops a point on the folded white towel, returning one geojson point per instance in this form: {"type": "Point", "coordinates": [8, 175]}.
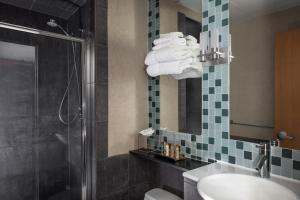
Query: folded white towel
{"type": "Point", "coordinates": [177, 41]}
{"type": "Point", "coordinates": [191, 38]}
{"type": "Point", "coordinates": [168, 54]}
{"type": "Point", "coordinates": [166, 68]}
{"type": "Point", "coordinates": [172, 35]}
{"type": "Point", "coordinates": [163, 40]}
{"type": "Point", "coordinates": [196, 53]}
{"type": "Point", "coordinates": [193, 71]}
{"type": "Point", "coordinates": [193, 45]}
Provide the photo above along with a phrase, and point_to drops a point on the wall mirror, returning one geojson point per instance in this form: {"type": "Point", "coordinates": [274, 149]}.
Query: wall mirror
{"type": "Point", "coordinates": [180, 100]}
{"type": "Point", "coordinates": [264, 75]}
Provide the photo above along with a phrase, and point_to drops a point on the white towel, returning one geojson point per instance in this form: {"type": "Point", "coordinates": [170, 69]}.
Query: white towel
{"type": "Point", "coordinates": [168, 54]}
{"type": "Point", "coordinates": [168, 37]}
{"type": "Point", "coordinates": [191, 38]}
{"type": "Point", "coordinates": [172, 35]}
{"type": "Point", "coordinates": [166, 68]}
{"type": "Point", "coordinates": [195, 53]}
{"type": "Point", "coordinates": [163, 40]}
{"type": "Point", "coordinates": [177, 41]}
{"type": "Point", "coordinates": [193, 44]}
{"type": "Point", "coordinates": [195, 48]}
{"type": "Point", "coordinates": [193, 71]}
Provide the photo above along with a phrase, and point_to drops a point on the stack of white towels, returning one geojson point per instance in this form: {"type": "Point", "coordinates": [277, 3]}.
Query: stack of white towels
{"type": "Point", "coordinates": [175, 55]}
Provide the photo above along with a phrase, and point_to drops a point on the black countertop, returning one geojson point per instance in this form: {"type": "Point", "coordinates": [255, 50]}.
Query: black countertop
{"type": "Point", "coordinates": [184, 165]}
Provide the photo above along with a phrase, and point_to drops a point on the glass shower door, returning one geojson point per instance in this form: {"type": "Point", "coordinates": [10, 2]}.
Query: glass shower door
{"type": "Point", "coordinates": [17, 120]}
{"type": "Point", "coordinates": [40, 117]}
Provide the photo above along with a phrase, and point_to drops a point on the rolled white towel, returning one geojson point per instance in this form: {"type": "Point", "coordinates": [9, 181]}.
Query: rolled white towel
{"type": "Point", "coordinates": [196, 53]}
{"type": "Point", "coordinates": [193, 45]}
{"type": "Point", "coordinates": [168, 54]}
{"type": "Point", "coordinates": [168, 68]}
{"type": "Point", "coordinates": [196, 60]}
{"type": "Point", "coordinates": [164, 40]}
{"type": "Point", "coordinates": [191, 38]}
{"type": "Point", "coordinates": [177, 41]}
{"type": "Point", "coordinates": [172, 35]}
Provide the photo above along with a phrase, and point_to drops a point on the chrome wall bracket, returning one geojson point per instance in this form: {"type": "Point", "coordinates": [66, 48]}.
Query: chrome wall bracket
{"type": "Point", "coordinates": [216, 56]}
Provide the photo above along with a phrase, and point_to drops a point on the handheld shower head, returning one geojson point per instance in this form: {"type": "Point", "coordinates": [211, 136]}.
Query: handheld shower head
{"type": "Point", "coordinates": [52, 23]}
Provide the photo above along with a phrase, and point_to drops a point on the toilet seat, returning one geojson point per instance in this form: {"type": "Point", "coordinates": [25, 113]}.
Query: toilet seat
{"type": "Point", "coordinates": [160, 194]}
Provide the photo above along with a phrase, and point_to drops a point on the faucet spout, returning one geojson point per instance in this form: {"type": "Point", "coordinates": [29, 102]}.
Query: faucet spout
{"type": "Point", "coordinates": [263, 164]}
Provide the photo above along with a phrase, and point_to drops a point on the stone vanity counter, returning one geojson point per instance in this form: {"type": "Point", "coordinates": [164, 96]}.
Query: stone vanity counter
{"type": "Point", "coordinates": [192, 177]}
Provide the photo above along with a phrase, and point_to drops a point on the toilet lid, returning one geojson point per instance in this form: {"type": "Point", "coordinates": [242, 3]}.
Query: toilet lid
{"type": "Point", "coordinates": [159, 194]}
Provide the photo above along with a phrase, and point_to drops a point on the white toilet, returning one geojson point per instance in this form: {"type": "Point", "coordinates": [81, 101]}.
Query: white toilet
{"type": "Point", "coordinates": [160, 194]}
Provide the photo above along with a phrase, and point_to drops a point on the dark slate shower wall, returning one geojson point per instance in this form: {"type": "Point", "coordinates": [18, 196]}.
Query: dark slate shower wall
{"type": "Point", "coordinates": [100, 81]}
{"type": "Point", "coordinates": [53, 135]}
{"type": "Point", "coordinates": [30, 155]}
{"type": "Point", "coordinates": [36, 149]}
{"type": "Point", "coordinates": [16, 131]}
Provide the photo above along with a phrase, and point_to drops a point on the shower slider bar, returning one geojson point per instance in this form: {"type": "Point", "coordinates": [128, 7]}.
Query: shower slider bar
{"type": "Point", "coordinates": [39, 32]}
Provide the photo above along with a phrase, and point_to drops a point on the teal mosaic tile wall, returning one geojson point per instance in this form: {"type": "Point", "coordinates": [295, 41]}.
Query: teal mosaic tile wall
{"type": "Point", "coordinates": [215, 142]}
{"type": "Point", "coordinates": [215, 87]}
{"type": "Point", "coordinates": [153, 83]}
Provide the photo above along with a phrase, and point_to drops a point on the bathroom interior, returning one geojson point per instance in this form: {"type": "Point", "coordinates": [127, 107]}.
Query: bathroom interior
{"type": "Point", "coordinates": [149, 99]}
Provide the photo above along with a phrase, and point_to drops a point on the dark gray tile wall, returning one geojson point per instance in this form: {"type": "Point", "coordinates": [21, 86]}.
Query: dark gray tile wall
{"type": "Point", "coordinates": [33, 155]}
{"type": "Point", "coordinates": [139, 177]}
{"type": "Point", "coordinates": [101, 78]}
{"type": "Point", "coordinates": [98, 93]}
{"type": "Point", "coordinates": [113, 175]}
{"type": "Point", "coordinates": [167, 178]}
{"type": "Point", "coordinates": [23, 17]}
{"type": "Point", "coordinates": [17, 120]}
{"type": "Point", "coordinates": [128, 177]}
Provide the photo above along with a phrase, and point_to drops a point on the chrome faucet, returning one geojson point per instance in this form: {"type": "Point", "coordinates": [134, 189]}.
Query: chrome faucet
{"type": "Point", "coordinates": [263, 164]}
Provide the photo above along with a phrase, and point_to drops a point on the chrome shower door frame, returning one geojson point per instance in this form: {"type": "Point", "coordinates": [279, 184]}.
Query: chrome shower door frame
{"type": "Point", "coordinates": [88, 98]}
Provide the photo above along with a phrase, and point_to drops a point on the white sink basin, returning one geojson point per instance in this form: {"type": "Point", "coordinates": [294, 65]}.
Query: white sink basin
{"type": "Point", "coordinates": [242, 187]}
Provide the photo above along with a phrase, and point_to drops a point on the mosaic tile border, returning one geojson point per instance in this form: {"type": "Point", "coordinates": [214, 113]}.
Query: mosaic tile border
{"type": "Point", "coordinates": [215, 142]}
{"type": "Point", "coordinates": [153, 83]}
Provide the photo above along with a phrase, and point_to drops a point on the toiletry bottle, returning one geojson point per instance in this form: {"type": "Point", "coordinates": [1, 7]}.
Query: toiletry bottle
{"type": "Point", "coordinates": [167, 150]}
{"type": "Point", "coordinates": [172, 151]}
{"type": "Point", "coordinates": [162, 148]}
{"type": "Point", "coordinates": [177, 152]}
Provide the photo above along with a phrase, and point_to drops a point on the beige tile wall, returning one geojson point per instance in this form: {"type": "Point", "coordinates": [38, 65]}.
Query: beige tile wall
{"type": "Point", "coordinates": [127, 89]}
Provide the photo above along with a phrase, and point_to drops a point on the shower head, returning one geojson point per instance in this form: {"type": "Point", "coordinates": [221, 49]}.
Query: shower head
{"type": "Point", "coordinates": [52, 23]}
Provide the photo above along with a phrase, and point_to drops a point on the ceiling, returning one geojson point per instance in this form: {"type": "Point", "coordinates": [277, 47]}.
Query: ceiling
{"type": "Point", "coordinates": [241, 9]}
{"type": "Point", "coordinates": [59, 8]}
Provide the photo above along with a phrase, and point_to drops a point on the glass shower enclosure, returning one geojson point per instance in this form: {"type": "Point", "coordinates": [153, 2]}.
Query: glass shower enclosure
{"type": "Point", "coordinates": [41, 122]}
